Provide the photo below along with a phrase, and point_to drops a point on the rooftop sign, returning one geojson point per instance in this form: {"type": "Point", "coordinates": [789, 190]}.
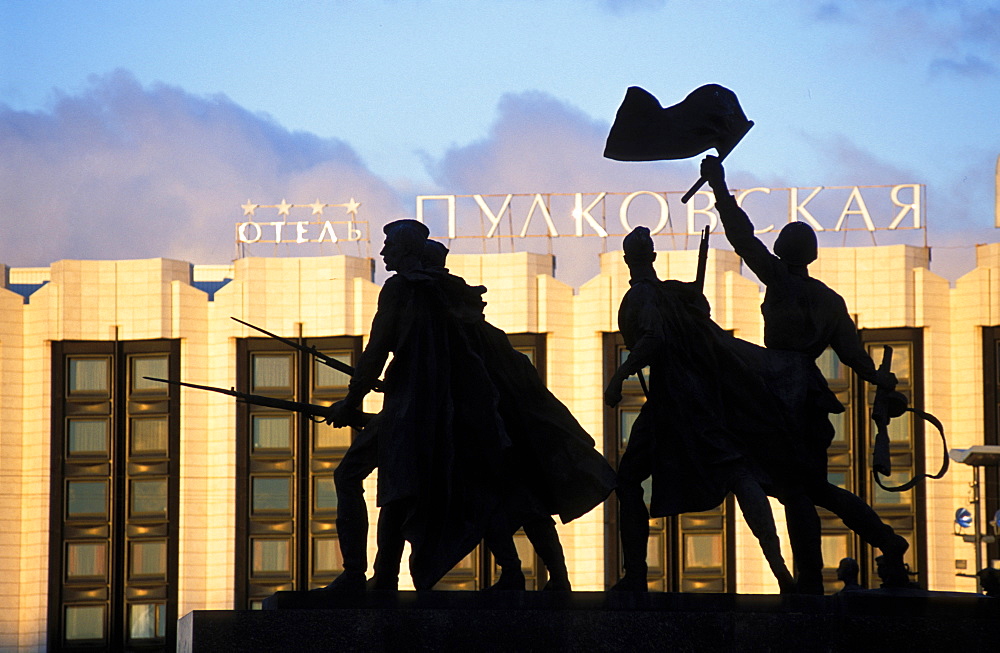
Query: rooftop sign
{"type": "Point", "coordinates": [574, 215]}
{"type": "Point", "coordinates": [837, 208]}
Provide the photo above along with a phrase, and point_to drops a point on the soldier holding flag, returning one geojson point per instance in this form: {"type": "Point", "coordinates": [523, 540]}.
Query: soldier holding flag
{"type": "Point", "coordinates": [802, 316]}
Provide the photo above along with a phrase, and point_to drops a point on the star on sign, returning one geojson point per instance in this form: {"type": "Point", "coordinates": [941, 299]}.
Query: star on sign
{"type": "Point", "coordinates": [352, 207]}
{"type": "Point", "coordinates": [284, 207]}
{"type": "Point", "coordinates": [317, 207]}
{"type": "Point", "coordinates": [249, 208]}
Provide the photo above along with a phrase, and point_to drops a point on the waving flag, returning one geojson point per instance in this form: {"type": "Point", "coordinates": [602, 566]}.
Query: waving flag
{"type": "Point", "coordinates": [710, 116]}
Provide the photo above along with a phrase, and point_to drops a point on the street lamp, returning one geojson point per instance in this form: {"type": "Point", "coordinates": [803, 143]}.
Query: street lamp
{"type": "Point", "coordinates": [980, 455]}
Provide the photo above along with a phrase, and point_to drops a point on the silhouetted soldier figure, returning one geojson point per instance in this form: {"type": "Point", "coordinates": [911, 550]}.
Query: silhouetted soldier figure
{"type": "Point", "coordinates": [552, 465]}
{"type": "Point", "coordinates": [439, 437]}
{"type": "Point", "coordinates": [699, 432]}
{"type": "Point", "coordinates": [804, 317]}
{"type": "Point", "coordinates": [847, 573]}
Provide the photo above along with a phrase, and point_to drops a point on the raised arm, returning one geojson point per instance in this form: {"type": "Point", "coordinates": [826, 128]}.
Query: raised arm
{"type": "Point", "coordinates": [739, 229]}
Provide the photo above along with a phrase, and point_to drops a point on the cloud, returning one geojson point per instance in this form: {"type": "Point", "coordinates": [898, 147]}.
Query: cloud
{"type": "Point", "coordinates": [539, 144]}
{"type": "Point", "coordinates": [844, 162]}
{"type": "Point", "coordinates": [123, 171]}
{"type": "Point", "coordinates": [971, 67]}
{"type": "Point", "coordinates": [956, 38]}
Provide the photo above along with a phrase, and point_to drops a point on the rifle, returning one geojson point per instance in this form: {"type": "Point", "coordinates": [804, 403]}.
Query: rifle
{"type": "Point", "coordinates": [699, 279]}
{"type": "Point", "coordinates": [329, 361]}
{"type": "Point", "coordinates": [315, 412]}
{"type": "Point", "coordinates": [888, 404]}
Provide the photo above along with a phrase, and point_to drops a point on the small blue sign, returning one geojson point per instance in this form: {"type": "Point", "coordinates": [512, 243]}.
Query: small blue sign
{"type": "Point", "coordinates": [963, 517]}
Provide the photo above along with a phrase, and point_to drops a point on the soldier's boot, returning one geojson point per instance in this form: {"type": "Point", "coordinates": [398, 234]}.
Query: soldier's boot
{"type": "Point", "coordinates": [500, 541]}
{"type": "Point", "coordinates": [633, 523]}
{"type": "Point", "coordinates": [545, 540]}
{"type": "Point", "coordinates": [804, 537]}
{"type": "Point", "coordinates": [390, 551]}
{"type": "Point", "coordinates": [889, 566]}
{"type": "Point", "coordinates": [757, 513]}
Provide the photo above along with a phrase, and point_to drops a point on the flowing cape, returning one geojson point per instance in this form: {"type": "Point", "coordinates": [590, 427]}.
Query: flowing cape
{"type": "Point", "coordinates": [715, 415]}
{"type": "Point", "coordinates": [441, 440]}
{"type": "Point", "coordinates": [552, 455]}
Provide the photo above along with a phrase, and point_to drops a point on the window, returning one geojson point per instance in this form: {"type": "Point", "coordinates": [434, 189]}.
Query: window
{"type": "Point", "coordinates": [689, 553]}
{"type": "Point", "coordinates": [990, 476]}
{"type": "Point", "coordinates": [114, 504]}
{"type": "Point", "coordinates": [286, 505]}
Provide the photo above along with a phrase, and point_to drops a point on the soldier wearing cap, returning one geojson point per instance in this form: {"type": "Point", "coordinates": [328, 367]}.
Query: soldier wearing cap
{"type": "Point", "coordinates": [802, 317]}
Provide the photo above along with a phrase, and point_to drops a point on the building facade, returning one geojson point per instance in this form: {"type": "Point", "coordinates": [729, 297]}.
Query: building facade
{"type": "Point", "coordinates": [128, 503]}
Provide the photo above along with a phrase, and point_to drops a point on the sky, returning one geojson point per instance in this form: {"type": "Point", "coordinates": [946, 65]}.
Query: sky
{"type": "Point", "coordinates": [138, 129]}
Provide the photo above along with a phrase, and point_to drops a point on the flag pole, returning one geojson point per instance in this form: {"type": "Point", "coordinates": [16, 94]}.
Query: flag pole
{"type": "Point", "coordinates": [722, 155]}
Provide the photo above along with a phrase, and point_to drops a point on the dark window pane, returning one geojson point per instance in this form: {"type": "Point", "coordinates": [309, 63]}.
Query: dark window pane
{"type": "Point", "coordinates": [900, 359]}
{"type": "Point", "coordinates": [703, 551]}
{"type": "Point", "coordinates": [899, 428]}
{"type": "Point", "coordinates": [330, 437]}
{"type": "Point", "coordinates": [835, 548]}
{"type": "Point", "coordinates": [146, 621]}
{"type": "Point", "coordinates": [326, 377]}
{"type": "Point", "coordinates": [324, 494]}
{"type": "Point", "coordinates": [623, 356]}
{"type": "Point", "coordinates": [886, 498]}
{"type": "Point", "coordinates": [149, 436]}
{"type": "Point", "coordinates": [272, 371]}
{"type": "Point", "coordinates": [86, 559]}
{"type": "Point", "coordinates": [654, 551]}
{"type": "Point", "coordinates": [326, 556]}
{"type": "Point", "coordinates": [831, 367]}
{"type": "Point", "coordinates": [647, 490]}
{"type": "Point", "coordinates": [626, 420]}
{"type": "Point", "coordinates": [84, 622]}
{"type": "Point", "coordinates": [86, 498]}
{"type": "Point", "coordinates": [148, 558]}
{"type": "Point", "coordinates": [272, 432]}
{"type": "Point", "coordinates": [838, 478]}
{"type": "Point", "coordinates": [841, 426]}
{"type": "Point", "coordinates": [87, 437]}
{"type": "Point", "coordinates": [88, 375]}
{"type": "Point", "coordinates": [149, 497]}
{"type": "Point", "coordinates": [272, 494]}
{"type": "Point", "coordinates": [155, 366]}
{"type": "Point", "coordinates": [270, 556]}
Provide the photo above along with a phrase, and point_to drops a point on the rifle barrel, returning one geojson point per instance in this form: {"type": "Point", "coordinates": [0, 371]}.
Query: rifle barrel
{"type": "Point", "coordinates": [329, 361]}
{"type": "Point", "coordinates": [358, 419]}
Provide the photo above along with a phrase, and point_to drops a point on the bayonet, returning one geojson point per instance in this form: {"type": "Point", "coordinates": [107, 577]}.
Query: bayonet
{"type": "Point", "coordinates": [327, 360]}
{"type": "Point", "coordinates": [313, 411]}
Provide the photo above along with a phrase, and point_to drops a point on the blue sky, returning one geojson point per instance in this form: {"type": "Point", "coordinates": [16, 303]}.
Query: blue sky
{"type": "Point", "coordinates": [135, 129]}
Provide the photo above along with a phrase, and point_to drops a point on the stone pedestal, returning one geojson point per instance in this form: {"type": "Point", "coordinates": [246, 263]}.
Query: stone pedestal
{"type": "Point", "coordinates": [597, 621]}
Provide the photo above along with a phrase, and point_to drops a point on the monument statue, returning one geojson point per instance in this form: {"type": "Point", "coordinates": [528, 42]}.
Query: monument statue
{"type": "Point", "coordinates": [709, 425]}
{"type": "Point", "coordinates": [553, 467]}
{"type": "Point", "coordinates": [802, 316]}
{"type": "Point", "coordinates": [544, 462]}
{"type": "Point", "coordinates": [440, 441]}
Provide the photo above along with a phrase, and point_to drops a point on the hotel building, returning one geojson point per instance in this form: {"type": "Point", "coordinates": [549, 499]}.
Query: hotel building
{"type": "Point", "coordinates": [127, 503]}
